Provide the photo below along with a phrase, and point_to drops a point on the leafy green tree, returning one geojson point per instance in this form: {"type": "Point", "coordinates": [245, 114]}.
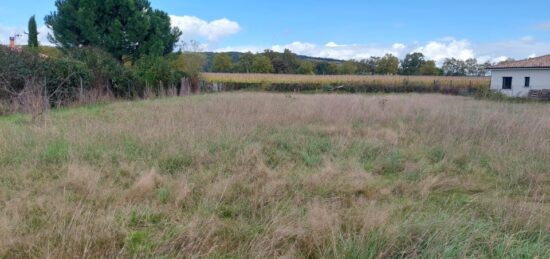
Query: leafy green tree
{"type": "Point", "coordinates": [305, 68]}
{"type": "Point", "coordinates": [291, 61]}
{"type": "Point", "coordinates": [262, 64]}
{"type": "Point", "coordinates": [326, 68]}
{"type": "Point", "coordinates": [191, 63]}
{"type": "Point", "coordinates": [154, 71]}
{"type": "Point", "coordinates": [388, 65]}
{"type": "Point", "coordinates": [33, 33]}
{"type": "Point", "coordinates": [347, 68]}
{"type": "Point", "coordinates": [412, 63]}
{"type": "Point", "coordinates": [222, 63]}
{"type": "Point", "coordinates": [279, 66]}
{"type": "Point", "coordinates": [367, 66]}
{"type": "Point", "coordinates": [473, 68]}
{"type": "Point", "coordinates": [245, 62]}
{"type": "Point", "coordinates": [429, 68]}
{"type": "Point", "coordinates": [120, 27]}
{"type": "Point", "coordinates": [454, 67]}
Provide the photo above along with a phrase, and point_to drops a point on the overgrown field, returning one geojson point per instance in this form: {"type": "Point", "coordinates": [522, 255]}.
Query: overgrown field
{"type": "Point", "coordinates": [351, 83]}
{"type": "Point", "coordinates": [262, 175]}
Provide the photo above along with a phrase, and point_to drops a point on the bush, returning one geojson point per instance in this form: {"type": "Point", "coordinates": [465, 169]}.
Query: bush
{"type": "Point", "coordinates": [157, 73]}
{"type": "Point", "coordinates": [108, 73]}
{"type": "Point", "coordinates": [58, 79]}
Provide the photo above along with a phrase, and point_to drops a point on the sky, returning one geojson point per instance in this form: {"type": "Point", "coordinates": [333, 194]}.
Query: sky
{"type": "Point", "coordinates": [488, 30]}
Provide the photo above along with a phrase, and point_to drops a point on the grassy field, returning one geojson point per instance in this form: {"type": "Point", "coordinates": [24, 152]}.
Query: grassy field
{"type": "Point", "coordinates": [379, 82]}
{"type": "Point", "coordinates": [276, 175]}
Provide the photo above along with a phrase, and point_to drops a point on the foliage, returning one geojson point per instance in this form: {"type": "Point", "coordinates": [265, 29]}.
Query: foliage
{"type": "Point", "coordinates": [413, 63]}
{"type": "Point", "coordinates": [32, 33]}
{"type": "Point", "coordinates": [388, 65]}
{"type": "Point", "coordinates": [428, 68]}
{"type": "Point", "coordinates": [245, 63]}
{"type": "Point", "coordinates": [222, 63]}
{"type": "Point", "coordinates": [347, 68]}
{"type": "Point", "coordinates": [262, 64]}
{"type": "Point", "coordinates": [155, 72]}
{"type": "Point", "coordinates": [122, 28]}
{"type": "Point", "coordinates": [190, 63]}
{"type": "Point", "coordinates": [305, 68]}
{"type": "Point", "coordinates": [107, 71]}
{"type": "Point", "coordinates": [326, 68]}
{"type": "Point", "coordinates": [61, 78]}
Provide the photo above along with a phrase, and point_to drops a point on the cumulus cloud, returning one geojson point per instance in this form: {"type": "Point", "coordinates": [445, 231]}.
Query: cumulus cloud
{"type": "Point", "coordinates": [192, 27]}
{"type": "Point", "coordinates": [448, 48]}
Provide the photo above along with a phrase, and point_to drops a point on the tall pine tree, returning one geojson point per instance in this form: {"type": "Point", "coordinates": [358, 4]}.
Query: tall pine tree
{"type": "Point", "coordinates": [33, 33]}
{"type": "Point", "coordinates": [123, 28]}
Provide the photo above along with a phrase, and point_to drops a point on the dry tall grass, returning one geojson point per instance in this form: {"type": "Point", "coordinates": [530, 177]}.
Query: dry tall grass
{"type": "Point", "coordinates": [376, 80]}
{"type": "Point", "coordinates": [268, 175]}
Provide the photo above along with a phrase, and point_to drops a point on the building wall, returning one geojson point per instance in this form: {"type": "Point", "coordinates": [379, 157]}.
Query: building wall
{"type": "Point", "coordinates": [540, 79]}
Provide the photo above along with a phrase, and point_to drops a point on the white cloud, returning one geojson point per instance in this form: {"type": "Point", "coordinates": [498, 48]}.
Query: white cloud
{"type": "Point", "coordinates": [298, 47]}
{"type": "Point", "coordinates": [192, 27]}
{"type": "Point", "coordinates": [449, 48]}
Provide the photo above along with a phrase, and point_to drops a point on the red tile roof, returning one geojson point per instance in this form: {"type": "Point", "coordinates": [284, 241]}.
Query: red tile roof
{"type": "Point", "coordinates": [538, 62]}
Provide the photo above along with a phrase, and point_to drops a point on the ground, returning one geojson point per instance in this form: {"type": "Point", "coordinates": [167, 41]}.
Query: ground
{"type": "Point", "coordinates": [264, 175]}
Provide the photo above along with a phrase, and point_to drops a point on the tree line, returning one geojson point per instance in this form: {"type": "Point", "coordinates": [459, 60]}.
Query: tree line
{"type": "Point", "coordinates": [290, 63]}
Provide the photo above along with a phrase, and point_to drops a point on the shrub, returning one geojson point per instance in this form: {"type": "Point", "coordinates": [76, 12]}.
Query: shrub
{"type": "Point", "coordinates": [56, 80]}
{"type": "Point", "coordinates": [108, 72]}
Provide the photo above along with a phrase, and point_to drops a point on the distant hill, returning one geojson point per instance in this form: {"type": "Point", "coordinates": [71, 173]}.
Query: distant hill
{"type": "Point", "coordinates": [235, 56]}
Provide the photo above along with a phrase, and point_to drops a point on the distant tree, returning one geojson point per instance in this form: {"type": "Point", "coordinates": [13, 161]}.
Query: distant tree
{"type": "Point", "coordinates": [370, 64]}
{"type": "Point", "coordinates": [270, 54]}
{"type": "Point", "coordinates": [245, 62]}
{"type": "Point", "coordinates": [279, 66]}
{"type": "Point", "coordinates": [347, 68]}
{"type": "Point", "coordinates": [191, 63]}
{"type": "Point", "coordinates": [428, 68]}
{"type": "Point", "coordinates": [33, 33]}
{"type": "Point", "coordinates": [454, 67]}
{"type": "Point", "coordinates": [222, 63]}
{"type": "Point", "coordinates": [473, 68]}
{"type": "Point", "coordinates": [306, 68]}
{"type": "Point", "coordinates": [122, 28]}
{"type": "Point", "coordinates": [326, 68]}
{"type": "Point", "coordinates": [291, 61]}
{"type": "Point", "coordinates": [388, 65]}
{"type": "Point", "coordinates": [262, 64]}
{"type": "Point", "coordinates": [412, 63]}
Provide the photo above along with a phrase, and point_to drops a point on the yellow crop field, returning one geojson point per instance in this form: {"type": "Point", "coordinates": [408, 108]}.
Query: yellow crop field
{"type": "Point", "coordinates": [354, 80]}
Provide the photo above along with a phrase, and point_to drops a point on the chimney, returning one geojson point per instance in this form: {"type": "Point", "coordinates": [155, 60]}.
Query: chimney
{"type": "Point", "coordinates": [12, 42]}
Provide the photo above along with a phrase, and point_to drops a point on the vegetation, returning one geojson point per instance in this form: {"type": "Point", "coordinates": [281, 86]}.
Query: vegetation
{"type": "Point", "coordinates": [33, 33]}
{"type": "Point", "coordinates": [123, 28]}
{"type": "Point", "coordinates": [413, 64]}
{"type": "Point", "coordinates": [267, 175]}
{"type": "Point", "coordinates": [350, 83]}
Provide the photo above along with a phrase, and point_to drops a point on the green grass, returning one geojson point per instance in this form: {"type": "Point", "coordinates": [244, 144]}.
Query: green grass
{"type": "Point", "coordinates": [264, 175]}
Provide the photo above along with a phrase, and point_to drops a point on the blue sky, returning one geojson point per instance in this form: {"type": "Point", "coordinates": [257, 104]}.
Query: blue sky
{"type": "Point", "coordinates": [487, 30]}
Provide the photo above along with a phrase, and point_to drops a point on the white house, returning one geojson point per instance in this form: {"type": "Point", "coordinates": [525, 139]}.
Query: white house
{"type": "Point", "coordinates": [521, 78]}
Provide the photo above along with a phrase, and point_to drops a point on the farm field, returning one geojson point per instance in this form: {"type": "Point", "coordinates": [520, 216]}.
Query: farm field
{"type": "Point", "coordinates": [353, 80]}
{"type": "Point", "coordinates": [264, 175]}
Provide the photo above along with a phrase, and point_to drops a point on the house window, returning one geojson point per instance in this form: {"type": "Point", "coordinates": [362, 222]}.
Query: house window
{"type": "Point", "coordinates": [506, 83]}
{"type": "Point", "coordinates": [527, 81]}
